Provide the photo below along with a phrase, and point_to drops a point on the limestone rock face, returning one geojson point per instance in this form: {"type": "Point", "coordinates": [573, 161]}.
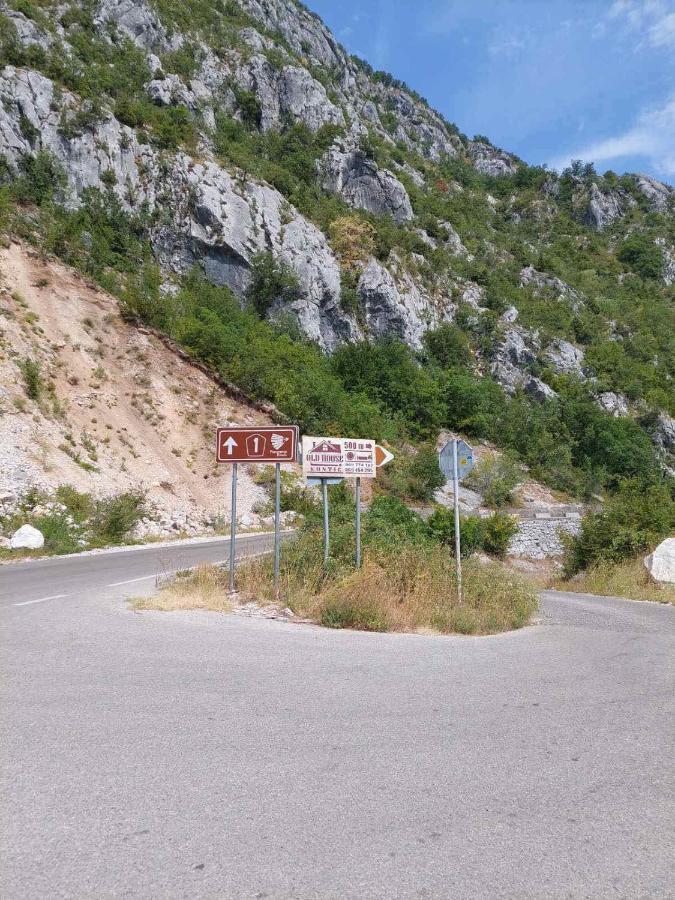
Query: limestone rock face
{"type": "Point", "coordinates": [613, 403]}
{"type": "Point", "coordinates": [565, 358]}
{"type": "Point", "coordinates": [208, 216]}
{"type": "Point", "coordinates": [488, 160]}
{"type": "Point", "coordinates": [349, 172]}
{"type": "Point", "coordinates": [395, 306]}
{"type": "Point", "coordinates": [660, 195]}
{"type": "Point", "coordinates": [138, 21]}
{"type": "Point", "coordinates": [27, 538]}
{"type": "Point", "coordinates": [605, 208]}
{"type": "Point", "coordinates": [512, 357]}
{"type": "Point", "coordinates": [291, 93]}
{"type": "Point", "coordinates": [661, 563]}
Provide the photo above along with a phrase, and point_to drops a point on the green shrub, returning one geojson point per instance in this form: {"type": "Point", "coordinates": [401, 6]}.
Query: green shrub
{"type": "Point", "coordinates": [338, 612]}
{"type": "Point", "coordinates": [114, 517]}
{"type": "Point", "coordinates": [498, 530]}
{"type": "Point", "coordinates": [32, 378]}
{"type": "Point", "coordinates": [41, 179]}
{"type": "Point", "coordinates": [636, 518]}
{"type": "Point", "coordinates": [495, 478]}
{"type": "Point", "coordinates": [441, 528]}
{"type": "Point", "coordinates": [78, 504]}
{"type": "Point", "coordinates": [272, 280]}
{"type": "Point", "coordinates": [642, 255]}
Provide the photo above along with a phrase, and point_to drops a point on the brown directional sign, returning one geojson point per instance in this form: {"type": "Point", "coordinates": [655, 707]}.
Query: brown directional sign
{"type": "Point", "coordinates": [262, 445]}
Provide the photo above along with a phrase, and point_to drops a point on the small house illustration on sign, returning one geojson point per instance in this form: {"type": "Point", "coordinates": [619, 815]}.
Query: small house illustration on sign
{"type": "Point", "coordinates": [325, 447]}
{"type": "Point", "coordinates": [255, 445]}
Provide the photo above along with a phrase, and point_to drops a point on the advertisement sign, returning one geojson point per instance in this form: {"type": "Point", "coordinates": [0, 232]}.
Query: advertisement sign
{"type": "Point", "coordinates": [329, 457]}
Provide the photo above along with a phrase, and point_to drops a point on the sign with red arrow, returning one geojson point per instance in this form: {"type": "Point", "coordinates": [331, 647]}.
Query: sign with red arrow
{"type": "Point", "coordinates": [266, 444]}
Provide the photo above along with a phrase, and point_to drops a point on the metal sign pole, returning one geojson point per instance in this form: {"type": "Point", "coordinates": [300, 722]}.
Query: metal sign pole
{"type": "Point", "coordinates": [277, 524]}
{"type": "Point", "coordinates": [233, 525]}
{"type": "Point", "coordinates": [326, 535]}
{"type": "Point", "coordinates": [358, 523]}
{"type": "Point", "coordinates": [458, 548]}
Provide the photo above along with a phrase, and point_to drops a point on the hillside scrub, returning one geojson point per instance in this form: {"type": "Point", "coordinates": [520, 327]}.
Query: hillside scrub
{"type": "Point", "coordinates": [637, 518]}
{"type": "Point", "coordinates": [407, 582]}
{"type": "Point", "coordinates": [615, 304]}
{"type": "Point", "coordinates": [628, 578]}
{"type": "Point", "coordinates": [72, 520]}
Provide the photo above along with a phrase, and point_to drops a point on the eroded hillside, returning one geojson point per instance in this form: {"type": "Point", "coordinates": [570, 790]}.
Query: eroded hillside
{"type": "Point", "coordinates": [112, 408]}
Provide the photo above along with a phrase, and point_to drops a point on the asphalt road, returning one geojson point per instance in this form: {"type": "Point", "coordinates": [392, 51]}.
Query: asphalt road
{"type": "Point", "coordinates": [138, 569]}
{"type": "Point", "coordinates": [182, 755]}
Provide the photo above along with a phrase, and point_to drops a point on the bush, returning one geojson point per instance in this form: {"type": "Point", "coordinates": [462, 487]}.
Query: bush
{"type": "Point", "coordinates": [441, 528]}
{"type": "Point", "coordinates": [114, 517]}
{"type": "Point", "coordinates": [32, 378]}
{"type": "Point", "coordinates": [642, 255]}
{"type": "Point", "coordinates": [495, 478]}
{"type": "Point", "coordinates": [498, 530]}
{"type": "Point", "coordinates": [42, 178]}
{"type": "Point", "coordinates": [638, 517]}
{"type": "Point", "coordinates": [272, 281]}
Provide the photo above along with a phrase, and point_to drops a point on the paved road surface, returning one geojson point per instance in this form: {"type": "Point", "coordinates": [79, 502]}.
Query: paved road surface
{"type": "Point", "coordinates": [135, 569]}
{"type": "Point", "coordinates": [195, 755]}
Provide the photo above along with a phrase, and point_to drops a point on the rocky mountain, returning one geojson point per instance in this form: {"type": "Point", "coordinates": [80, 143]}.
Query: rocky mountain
{"type": "Point", "coordinates": [239, 138]}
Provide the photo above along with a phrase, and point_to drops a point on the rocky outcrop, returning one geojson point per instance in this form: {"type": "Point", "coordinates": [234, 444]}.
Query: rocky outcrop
{"type": "Point", "coordinates": [347, 170]}
{"type": "Point", "coordinates": [290, 93]}
{"type": "Point", "coordinates": [668, 254]}
{"type": "Point", "coordinates": [488, 160]}
{"type": "Point", "coordinates": [660, 196]}
{"type": "Point", "coordinates": [565, 358]}
{"type": "Point", "coordinates": [605, 208]}
{"type": "Point", "coordinates": [613, 403]}
{"type": "Point", "coordinates": [209, 217]}
{"type": "Point", "coordinates": [542, 282]}
{"type": "Point", "coordinates": [396, 305]}
{"type": "Point", "coordinates": [137, 20]}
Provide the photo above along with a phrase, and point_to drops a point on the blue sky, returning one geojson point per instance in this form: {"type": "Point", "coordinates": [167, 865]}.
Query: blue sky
{"type": "Point", "coordinates": [550, 80]}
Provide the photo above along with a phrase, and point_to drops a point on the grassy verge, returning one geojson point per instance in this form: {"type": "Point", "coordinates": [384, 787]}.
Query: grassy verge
{"type": "Point", "coordinates": [203, 588]}
{"type": "Point", "coordinates": [628, 579]}
{"type": "Point", "coordinates": [406, 584]}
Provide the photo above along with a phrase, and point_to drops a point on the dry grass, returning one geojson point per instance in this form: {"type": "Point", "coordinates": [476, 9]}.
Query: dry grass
{"type": "Point", "coordinates": [203, 588]}
{"type": "Point", "coordinates": [411, 590]}
{"type": "Point", "coordinates": [628, 579]}
{"type": "Point", "coordinates": [402, 586]}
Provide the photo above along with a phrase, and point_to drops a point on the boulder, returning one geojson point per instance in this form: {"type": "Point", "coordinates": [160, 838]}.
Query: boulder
{"type": "Point", "coordinates": [661, 563]}
{"type": "Point", "coordinates": [27, 538]}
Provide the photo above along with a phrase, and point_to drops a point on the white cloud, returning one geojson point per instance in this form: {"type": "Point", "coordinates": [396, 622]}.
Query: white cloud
{"type": "Point", "coordinates": [652, 137]}
{"type": "Point", "coordinates": [654, 20]}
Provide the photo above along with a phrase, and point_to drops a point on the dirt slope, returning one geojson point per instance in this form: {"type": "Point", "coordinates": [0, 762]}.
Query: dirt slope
{"type": "Point", "coordinates": [117, 410]}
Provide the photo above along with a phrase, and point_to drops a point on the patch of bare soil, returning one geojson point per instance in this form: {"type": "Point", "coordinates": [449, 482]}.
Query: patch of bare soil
{"type": "Point", "coordinates": [117, 410]}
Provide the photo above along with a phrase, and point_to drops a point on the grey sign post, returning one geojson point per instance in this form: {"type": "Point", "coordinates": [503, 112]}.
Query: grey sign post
{"type": "Point", "coordinates": [233, 526]}
{"type": "Point", "coordinates": [277, 528]}
{"type": "Point", "coordinates": [358, 523]}
{"type": "Point", "coordinates": [326, 531]}
{"type": "Point", "coordinates": [456, 461]}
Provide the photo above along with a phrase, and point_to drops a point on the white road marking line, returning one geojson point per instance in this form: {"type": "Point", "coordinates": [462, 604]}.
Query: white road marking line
{"type": "Point", "coordinates": [134, 580]}
{"type": "Point", "coordinates": [41, 600]}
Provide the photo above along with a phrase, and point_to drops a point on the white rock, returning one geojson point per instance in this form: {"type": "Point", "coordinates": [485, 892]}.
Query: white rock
{"type": "Point", "coordinates": [661, 563]}
{"type": "Point", "coordinates": [28, 538]}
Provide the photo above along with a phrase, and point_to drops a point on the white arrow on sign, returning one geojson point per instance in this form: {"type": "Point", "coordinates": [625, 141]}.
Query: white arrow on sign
{"type": "Point", "coordinates": [230, 443]}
